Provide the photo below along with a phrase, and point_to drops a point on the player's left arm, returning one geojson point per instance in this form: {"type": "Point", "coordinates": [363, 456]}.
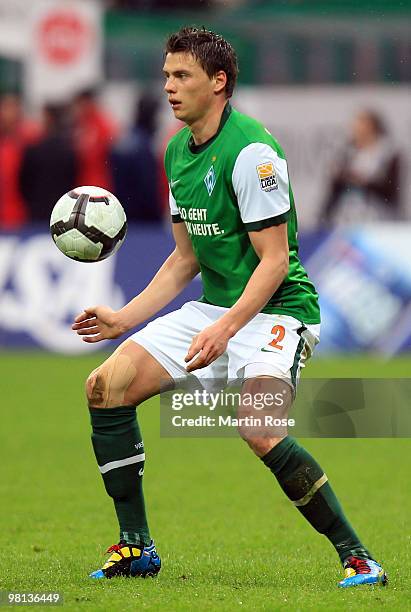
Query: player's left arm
{"type": "Point", "coordinates": [271, 246]}
{"type": "Point", "coordinates": [260, 180]}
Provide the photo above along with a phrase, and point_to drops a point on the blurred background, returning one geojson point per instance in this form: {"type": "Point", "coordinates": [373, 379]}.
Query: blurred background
{"type": "Point", "coordinates": [81, 103]}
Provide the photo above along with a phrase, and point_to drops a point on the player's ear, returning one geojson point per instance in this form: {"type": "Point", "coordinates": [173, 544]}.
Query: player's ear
{"type": "Point", "coordinates": [220, 81]}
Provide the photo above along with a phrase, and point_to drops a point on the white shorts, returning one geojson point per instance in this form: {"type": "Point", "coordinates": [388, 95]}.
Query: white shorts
{"type": "Point", "coordinates": [270, 344]}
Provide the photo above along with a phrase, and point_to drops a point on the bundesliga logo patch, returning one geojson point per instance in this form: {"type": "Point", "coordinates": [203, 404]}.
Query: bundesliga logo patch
{"type": "Point", "coordinates": [267, 176]}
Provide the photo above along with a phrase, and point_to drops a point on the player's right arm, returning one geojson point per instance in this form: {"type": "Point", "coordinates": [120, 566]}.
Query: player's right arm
{"type": "Point", "coordinates": [179, 269]}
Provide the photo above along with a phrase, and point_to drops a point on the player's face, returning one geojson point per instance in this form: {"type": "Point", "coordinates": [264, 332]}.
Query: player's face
{"type": "Point", "coordinates": [190, 90]}
{"type": "Point", "coordinates": [363, 130]}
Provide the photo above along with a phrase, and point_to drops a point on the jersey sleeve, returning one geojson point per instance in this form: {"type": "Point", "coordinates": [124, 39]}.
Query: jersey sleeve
{"type": "Point", "coordinates": [175, 214]}
{"type": "Point", "coordinates": [260, 182]}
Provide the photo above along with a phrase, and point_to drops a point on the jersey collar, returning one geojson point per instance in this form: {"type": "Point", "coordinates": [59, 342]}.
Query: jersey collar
{"type": "Point", "coordinates": [202, 147]}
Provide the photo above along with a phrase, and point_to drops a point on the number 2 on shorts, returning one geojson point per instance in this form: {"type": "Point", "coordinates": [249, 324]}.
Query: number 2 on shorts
{"type": "Point", "coordinates": [278, 332]}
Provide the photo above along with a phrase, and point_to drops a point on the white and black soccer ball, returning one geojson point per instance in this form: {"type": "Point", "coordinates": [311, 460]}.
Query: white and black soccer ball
{"type": "Point", "coordinates": [88, 224]}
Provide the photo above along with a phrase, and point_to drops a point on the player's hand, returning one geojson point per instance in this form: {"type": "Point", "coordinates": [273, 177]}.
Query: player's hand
{"type": "Point", "coordinates": [207, 346]}
{"type": "Point", "coordinates": [97, 323]}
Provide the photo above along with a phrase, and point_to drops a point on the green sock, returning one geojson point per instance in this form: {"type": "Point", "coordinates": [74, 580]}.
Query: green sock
{"type": "Point", "coordinates": [306, 485]}
{"type": "Point", "coordinates": [119, 451]}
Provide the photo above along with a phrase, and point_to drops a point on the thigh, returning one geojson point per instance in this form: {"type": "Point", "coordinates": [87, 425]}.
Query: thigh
{"type": "Point", "coordinates": [168, 339]}
{"type": "Point", "coordinates": [128, 377]}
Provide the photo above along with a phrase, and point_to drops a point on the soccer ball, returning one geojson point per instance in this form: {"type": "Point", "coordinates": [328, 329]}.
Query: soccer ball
{"type": "Point", "coordinates": [88, 224]}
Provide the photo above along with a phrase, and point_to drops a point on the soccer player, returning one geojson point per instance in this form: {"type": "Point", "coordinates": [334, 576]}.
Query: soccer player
{"type": "Point", "coordinates": [234, 220]}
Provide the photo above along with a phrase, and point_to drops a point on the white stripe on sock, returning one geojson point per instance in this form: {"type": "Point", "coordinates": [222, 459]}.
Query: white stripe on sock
{"type": "Point", "coordinates": [308, 497]}
{"type": "Point", "coordinates": [112, 465]}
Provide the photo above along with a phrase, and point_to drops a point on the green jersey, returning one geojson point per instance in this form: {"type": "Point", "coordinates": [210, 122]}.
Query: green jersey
{"type": "Point", "coordinates": [235, 183]}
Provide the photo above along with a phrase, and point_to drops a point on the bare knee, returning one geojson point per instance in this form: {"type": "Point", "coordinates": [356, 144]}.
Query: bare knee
{"type": "Point", "coordinates": [128, 377]}
{"type": "Point", "coordinates": [107, 386]}
{"type": "Point", "coordinates": [263, 412]}
{"type": "Point", "coordinates": [96, 390]}
{"type": "Point", "coordinates": [262, 446]}
{"type": "Point", "coordinates": [259, 438]}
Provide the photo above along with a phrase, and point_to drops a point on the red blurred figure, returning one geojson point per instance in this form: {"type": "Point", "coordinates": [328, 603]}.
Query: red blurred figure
{"type": "Point", "coordinates": [15, 134]}
{"type": "Point", "coordinates": [94, 133]}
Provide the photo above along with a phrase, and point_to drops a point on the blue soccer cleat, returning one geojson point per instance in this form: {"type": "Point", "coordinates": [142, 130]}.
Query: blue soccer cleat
{"type": "Point", "coordinates": [149, 564]}
{"type": "Point", "coordinates": [362, 571]}
{"type": "Point", "coordinates": [130, 560]}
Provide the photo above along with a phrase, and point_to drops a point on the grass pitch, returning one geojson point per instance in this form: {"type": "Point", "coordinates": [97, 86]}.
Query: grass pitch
{"type": "Point", "coordinates": [228, 537]}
